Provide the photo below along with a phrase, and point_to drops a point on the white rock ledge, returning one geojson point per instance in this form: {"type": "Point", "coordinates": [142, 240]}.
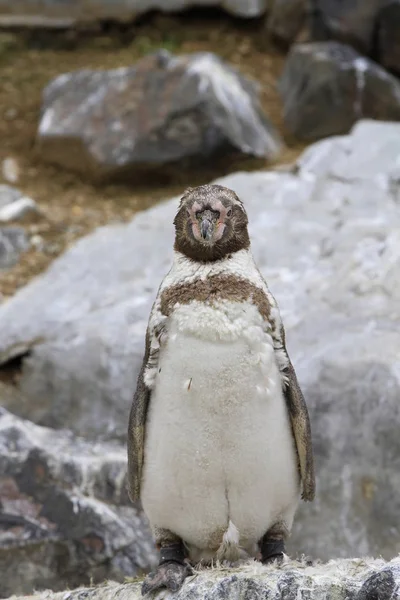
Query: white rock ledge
{"type": "Point", "coordinates": [355, 579]}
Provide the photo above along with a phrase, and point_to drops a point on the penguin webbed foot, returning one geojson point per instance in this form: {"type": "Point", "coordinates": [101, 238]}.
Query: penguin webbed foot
{"type": "Point", "coordinates": [272, 551]}
{"type": "Point", "coordinates": [276, 559]}
{"type": "Point", "coordinates": [169, 574]}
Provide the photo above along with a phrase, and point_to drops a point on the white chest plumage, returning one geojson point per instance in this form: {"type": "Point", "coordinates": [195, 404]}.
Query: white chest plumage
{"type": "Point", "coordinates": [219, 452]}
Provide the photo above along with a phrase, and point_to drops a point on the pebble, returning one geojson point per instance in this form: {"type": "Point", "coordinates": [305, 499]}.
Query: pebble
{"type": "Point", "coordinates": [37, 241]}
{"type": "Point", "coordinates": [14, 211]}
{"type": "Point", "coordinates": [10, 170]}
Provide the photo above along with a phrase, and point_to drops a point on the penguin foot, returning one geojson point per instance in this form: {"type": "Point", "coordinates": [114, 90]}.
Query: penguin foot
{"type": "Point", "coordinates": [169, 574]}
{"type": "Point", "coordinates": [272, 551]}
{"type": "Point", "coordinates": [275, 558]}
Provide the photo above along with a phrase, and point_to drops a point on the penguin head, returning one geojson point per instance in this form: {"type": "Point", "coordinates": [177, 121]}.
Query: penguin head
{"type": "Point", "coordinates": [211, 223]}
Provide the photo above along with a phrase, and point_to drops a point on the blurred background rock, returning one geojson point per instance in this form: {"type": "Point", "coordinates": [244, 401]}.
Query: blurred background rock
{"type": "Point", "coordinates": [106, 109]}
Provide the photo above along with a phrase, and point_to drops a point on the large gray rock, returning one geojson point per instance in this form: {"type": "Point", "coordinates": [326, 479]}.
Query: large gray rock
{"type": "Point", "coordinates": [354, 579]}
{"type": "Point", "coordinates": [163, 110]}
{"type": "Point", "coordinates": [327, 86]}
{"type": "Point", "coordinates": [349, 21]}
{"type": "Point", "coordinates": [65, 518]}
{"type": "Point", "coordinates": [52, 13]}
{"type": "Point", "coordinates": [326, 237]}
{"type": "Point", "coordinates": [388, 36]}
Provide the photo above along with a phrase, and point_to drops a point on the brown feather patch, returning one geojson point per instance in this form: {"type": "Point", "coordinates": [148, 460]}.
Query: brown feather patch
{"type": "Point", "coordinates": [214, 288]}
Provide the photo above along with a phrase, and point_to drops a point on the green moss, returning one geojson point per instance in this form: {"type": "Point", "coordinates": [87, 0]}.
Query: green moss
{"type": "Point", "coordinates": [137, 579]}
{"type": "Point", "coordinates": [145, 45]}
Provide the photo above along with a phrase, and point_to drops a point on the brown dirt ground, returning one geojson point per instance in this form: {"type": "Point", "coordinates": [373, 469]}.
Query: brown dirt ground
{"type": "Point", "coordinates": [71, 206]}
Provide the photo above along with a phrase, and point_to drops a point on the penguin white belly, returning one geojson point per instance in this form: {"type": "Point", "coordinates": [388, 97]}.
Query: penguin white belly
{"type": "Point", "coordinates": [219, 446]}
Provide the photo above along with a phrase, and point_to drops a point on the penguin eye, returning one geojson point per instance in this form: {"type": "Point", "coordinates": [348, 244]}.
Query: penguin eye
{"type": "Point", "coordinates": [229, 212]}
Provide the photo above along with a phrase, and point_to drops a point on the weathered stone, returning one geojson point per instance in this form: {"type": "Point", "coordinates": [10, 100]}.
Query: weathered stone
{"type": "Point", "coordinates": [14, 205]}
{"type": "Point", "coordinates": [326, 237]}
{"type": "Point", "coordinates": [65, 517]}
{"type": "Point", "coordinates": [326, 87]}
{"type": "Point", "coordinates": [336, 580]}
{"type": "Point", "coordinates": [163, 110]}
{"type": "Point", "coordinates": [8, 195]}
{"type": "Point", "coordinates": [60, 15]}
{"type": "Point", "coordinates": [382, 585]}
{"type": "Point", "coordinates": [13, 241]}
{"type": "Point", "coordinates": [9, 166]}
{"type": "Point", "coordinates": [286, 19]}
{"type": "Point", "coordinates": [388, 34]}
{"type": "Point", "coordinates": [351, 21]}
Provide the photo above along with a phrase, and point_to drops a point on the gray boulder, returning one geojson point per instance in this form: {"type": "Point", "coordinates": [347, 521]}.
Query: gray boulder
{"type": "Point", "coordinates": [60, 15]}
{"type": "Point", "coordinates": [65, 518]}
{"type": "Point", "coordinates": [13, 241]}
{"type": "Point", "coordinates": [339, 579]}
{"type": "Point", "coordinates": [163, 110]}
{"type": "Point", "coordinates": [388, 34]}
{"type": "Point", "coordinates": [352, 22]}
{"type": "Point", "coordinates": [327, 86]}
{"type": "Point", "coordinates": [326, 237]}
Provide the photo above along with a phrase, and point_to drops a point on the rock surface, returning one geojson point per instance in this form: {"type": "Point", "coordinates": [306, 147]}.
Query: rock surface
{"type": "Point", "coordinates": [388, 34]}
{"type": "Point", "coordinates": [162, 110]}
{"type": "Point", "coordinates": [65, 517]}
{"type": "Point", "coordinates": [286, 19]}
{"type": "Point", "coordinates": [350, 21]}
{"type": "Point", "coordinates": [327, 86]}
{"type": "Point", "coordinates": [356, 579]}
{"type": "Point", "coordinates": [13, 241]}
{"type": "Point", "coordinates": [14, 205]}
{"type": "Point", "coordinates": [326, 237]}
{"type": "Point", "coordinates": [52, 13]}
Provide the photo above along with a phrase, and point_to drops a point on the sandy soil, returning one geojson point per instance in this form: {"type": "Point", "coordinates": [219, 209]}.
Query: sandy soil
{"type": "Point", "coordinates": [71, 206]}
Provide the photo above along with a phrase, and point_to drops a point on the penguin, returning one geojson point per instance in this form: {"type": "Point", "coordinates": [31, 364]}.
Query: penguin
{"type": "Point", "coordinates": [219, 437]}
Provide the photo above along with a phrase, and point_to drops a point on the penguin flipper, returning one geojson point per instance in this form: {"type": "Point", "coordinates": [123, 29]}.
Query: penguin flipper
{"type": "Point", "coordinates": [137, 427]}
{"type": "Point", "coordinates": [300, 421]}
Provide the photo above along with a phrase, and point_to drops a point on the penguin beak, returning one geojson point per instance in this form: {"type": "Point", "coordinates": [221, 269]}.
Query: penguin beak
{"type": "Point", "coordinates": [206, 229]}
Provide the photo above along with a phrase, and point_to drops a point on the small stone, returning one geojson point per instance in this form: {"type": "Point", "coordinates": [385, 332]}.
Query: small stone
{"type": "Point", "coordinates": [8, 195]}
{"type": "Point", "coordinates": [10, 170]}
{"type": "Point", "coordinates": [13, 241]}
{"type": "Point", "coordinates": [165, 109]}
{"type": "Point", "coordinates": [14, 206]}
{"type": "Point", "coordinates": [327, 86]}
{"type": "Point", "coordinates": [37, 241]}
{"type": "Point", "coordinates": [77, 211]}
{"type": "Point", "coordinates": [15, 211]}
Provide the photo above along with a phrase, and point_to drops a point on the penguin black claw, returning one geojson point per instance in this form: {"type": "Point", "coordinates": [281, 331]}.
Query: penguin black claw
{"type": "Point", "coordinates": [170, 575]}
{"type": "Point", "coordinates": [274, 558]}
